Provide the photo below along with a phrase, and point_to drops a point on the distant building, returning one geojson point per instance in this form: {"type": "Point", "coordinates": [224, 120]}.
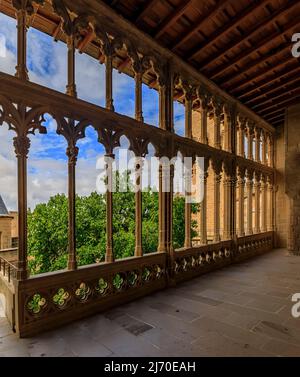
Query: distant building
{"type": "Point", "coordinates": [8, 227]}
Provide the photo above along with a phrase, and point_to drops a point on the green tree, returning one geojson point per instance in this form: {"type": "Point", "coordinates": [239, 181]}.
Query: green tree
{"type": "Point", "coordinates": [48, 228]}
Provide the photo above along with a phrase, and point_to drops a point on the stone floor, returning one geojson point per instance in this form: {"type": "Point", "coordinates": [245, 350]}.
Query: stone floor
{"type": "Point", "coordinates": [243, 310]}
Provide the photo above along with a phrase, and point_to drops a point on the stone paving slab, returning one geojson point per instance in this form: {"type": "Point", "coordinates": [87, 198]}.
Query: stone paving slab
{"type": "Point", "coordinates": [241, 310]}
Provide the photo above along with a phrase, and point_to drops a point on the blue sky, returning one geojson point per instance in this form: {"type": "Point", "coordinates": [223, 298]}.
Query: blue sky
{"type": "Point", "coordinates": [47, 65]}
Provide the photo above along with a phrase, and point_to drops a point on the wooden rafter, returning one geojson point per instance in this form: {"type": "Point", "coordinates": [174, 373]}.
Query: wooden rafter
{"type": "Point", "coordinates": [278, 87]}
{"type": "Point", "coordinates": [280, 104]}
{"type": "Point", "coordinates": [218, 7]}
{"type": "Point", "coordinates": [146, 8]}
{"type": "Point", "coordinates": [262, 43]}
{"type": "Point", "coordinates": [229, 26]}
{"type": "Point", "coordinates": [257, 86]}
{"type": "Point", "coordinates": [279, 116]}
{"type": "Point", "coordinates": [172, 18]}
{"type": "Point", "coordinates": [245, 38]}
{"type": "Point", "coordinates": [288, 91]}
{"type": "Point", "coordinates": [232, 85]}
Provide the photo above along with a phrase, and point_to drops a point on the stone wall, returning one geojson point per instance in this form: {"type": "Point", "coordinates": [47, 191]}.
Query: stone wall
{"type": "Point", "coordinates": [288, 206]}
{"type": "Point", "coordinates": [5, 232]}
{"type": "Point", "coordinates": [281, 198]}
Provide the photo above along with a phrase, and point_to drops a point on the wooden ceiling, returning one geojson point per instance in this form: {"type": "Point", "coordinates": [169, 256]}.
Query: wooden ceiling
{"type": "Point", "coordinates": [243, 46]}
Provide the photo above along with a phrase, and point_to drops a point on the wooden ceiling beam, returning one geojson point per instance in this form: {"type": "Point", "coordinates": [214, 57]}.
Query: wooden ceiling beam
{"type": "Point", "coordinates": [278, 121]}
{"type": "Point", "coordinates": [257, 86]}
{"type": "Point", "coordinates": [230, 25]}
{"type": "Point", "coordinates": [280, 104]}
{"type": "Point", "coordinates": [234, 86]}
{"type": "Point", "coordinates": [256, 63]}
{"type": "Point", "coordinates": [262, 43]}
{"type": "Point", "coordinates": [148, 5]}
{"type": "Point", "coordinates": [289, 91]}
{"type": "Point", "coordinates": [279, 116]}
{"type": "Point", "coordinates": [172, 18]}
{"type": "Point", "coordinates": [281, 85]}
{"type": "Point", "coordinates": [248, 34]}
{"type": "Point", "coordinates": [278, 112]}
{"type": "Point", "coordinates": [217, 8]}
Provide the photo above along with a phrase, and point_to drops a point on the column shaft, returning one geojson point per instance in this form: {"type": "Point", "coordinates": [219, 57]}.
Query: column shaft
{"type": "Point", "coordinates": [72, 153]}
{"type": "Point", "coordinates": [249, 186]}
{"type": "Point", "coordinates": [21, 68]}
{"type": "Point", "coordinates": [241, 211]}
{"type": "Point", "coordinates": [71, 86]}
{"type": "Point", "coordinates": [138, 211]}
{"type": "Point", "coordinates": [162, 211]}
{"type": "Point", "coordinates": [264, 207]}
{"type": "Point", "coordinates": [217, 180]}
{"type": "Point", "coordinates": [109, 82]}
{"type": "Point", "coordinates": [203, 126]}
{"type": "Point", "coordinates": [203, 224]}
{"type": "Point", "coordinates": [22, 145]}
{"type": "Point", "coordinates": [109, 256]}
{"type": "Point", "coordinates": [138, 97]}
{"type": "Point", "coordinates": [257, 206]}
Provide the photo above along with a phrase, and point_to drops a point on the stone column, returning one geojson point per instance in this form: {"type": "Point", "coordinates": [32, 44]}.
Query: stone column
{"type": "Point", "coordinates": [22, 145]}
{"type": "Point", "coordinates": [241, 208]}
{"type": "Point", "coordinates": [227, 205]}
{"type": "Point", "coordinates": [270, 150]}
{"type": "Point", "coordinates": [71, 86]}
{"type": "Point", "coordinates": [257, 144]}
{"type": "Point", "coordinates": [203, 125]}
{"type": "Point", "coordinates": [170, 212]}
{"type": "Point", "coordinates": [72, 153]}
{"type": "Point", "coordinates": [257, 203]}
{"type": "Point", "coordinates": [217, 182]}
{"type": "Point", "coordinates": [263, 148]}
{"type": "Point", "coordinates": [138, 208]}
{"type": "Point", "coordinates": [241, 138]}
{"type": "Point", "coordinates": [227, 131]}
{"type": "Point", "coordinates": [270, 225]}
{"type": "Point", "coordinates": [188, 115]}
{"type": "Point", "coordinates": [109, 256]}
{"type": "Point", "coordinates": [263, 205]}
{"type": "Point", "coordinates": [217, 125]}
{"type": "Point", "coordinates": [138, 96]}
{"type": "Point", "coordinates": [166, 84]}
{"type": "Point", "coordinates": [203, 209]}
{"type": "Point", "coordinates": [188, 207]}
{"type": "Point", "coordinates": [162, 209]}
{"type": "Point", "coordinates": [250, 141]}
{"type": "Point", "coordinates": [21, 68]}
{"type": "Point", "coordinates": [109, 81]}
{"type": "Point", "coordinates": [249, 188]}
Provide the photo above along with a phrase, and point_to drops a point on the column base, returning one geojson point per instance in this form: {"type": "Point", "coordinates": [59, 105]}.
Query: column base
{"type": "Point", "coordinates": [109, 257]}
{"type": "Point", "coordinates": [72, 265]}
{"type": "Point", "coordinates": [138, 251]}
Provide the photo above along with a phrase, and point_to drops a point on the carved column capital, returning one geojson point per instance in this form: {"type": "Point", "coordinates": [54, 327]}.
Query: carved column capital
{"type": "Point", "coordinates": [72, 154]}
{"type": "Point", "coordinates": [21, 145]}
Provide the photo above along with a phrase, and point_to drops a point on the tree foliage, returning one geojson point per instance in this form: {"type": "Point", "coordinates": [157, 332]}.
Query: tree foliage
{"type": "Point", "coordinates": [48, 228]}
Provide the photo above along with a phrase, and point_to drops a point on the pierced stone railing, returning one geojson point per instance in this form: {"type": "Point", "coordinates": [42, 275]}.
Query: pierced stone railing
{"type": "Point", "coordinates": [50, 300]}
{"type": "Point", "coordinates": [53, 299]}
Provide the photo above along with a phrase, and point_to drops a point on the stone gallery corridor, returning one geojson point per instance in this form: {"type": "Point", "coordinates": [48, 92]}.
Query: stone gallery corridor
{"type": "Point", "coordinates": [242, 310]}
{"type": "Point", "coordinates": [149, 178]}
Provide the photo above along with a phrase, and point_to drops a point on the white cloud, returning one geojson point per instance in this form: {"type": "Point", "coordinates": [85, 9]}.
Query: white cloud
{"type": "Point", "coordinates": [47, 164]}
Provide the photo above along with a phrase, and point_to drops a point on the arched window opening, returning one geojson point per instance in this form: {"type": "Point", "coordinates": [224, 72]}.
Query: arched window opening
{"type": "Point", "coordinates": [47, 201]}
